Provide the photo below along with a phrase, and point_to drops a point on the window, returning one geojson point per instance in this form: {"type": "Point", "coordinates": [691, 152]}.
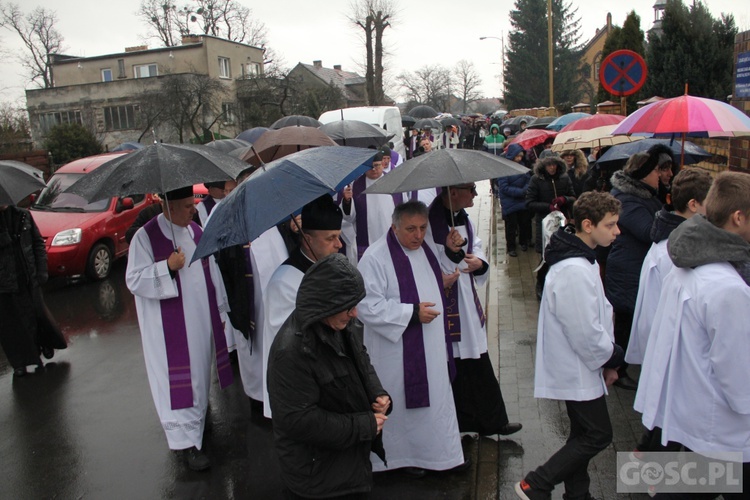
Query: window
{"type": "Point", "coordinates": [121, 68]}
{"type": "Point", "coordinates": [597, 65]}
{"type": "Point", "coordinates": [145, 70]}
{"type": "Point", "coordinates": [107, 75]}
{"type": "Point", "coordinates": [224, 68]}
{"type": "Point", "coordinates": [121, 117]}
{"type": "Point", "coordinates": [49, 120]}
{"type": "Point", "coordinates": [227, 110]}
{"type": "Point", "coordinates": [253, 69]}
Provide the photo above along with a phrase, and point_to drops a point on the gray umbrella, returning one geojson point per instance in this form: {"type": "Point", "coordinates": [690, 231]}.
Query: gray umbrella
{"type": "Point", "coordinates": [355, 133]}
{"type": "Point", "coordinates": [157, 168]}
{"type": "Point", "coordinates": [423, 111]}
{"type": "Point", "coordinates": [445, 167]}
{"type": "Point", "coordinates": [295, 121]}
{"type": "Point", "coordinates": [427, 123]}
{"type": "Point", "coordinates": [17, 181]}
{"type": "Point", "coordinates": [228, 145]}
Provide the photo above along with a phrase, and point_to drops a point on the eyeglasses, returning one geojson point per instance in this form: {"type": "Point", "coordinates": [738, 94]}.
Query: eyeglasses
{"type": "Point", "coordinates": [472, 188]}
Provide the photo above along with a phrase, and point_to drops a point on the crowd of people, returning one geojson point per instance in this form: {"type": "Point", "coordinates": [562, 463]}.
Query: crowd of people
{"type": "Point", "coordinates": [358, 330]}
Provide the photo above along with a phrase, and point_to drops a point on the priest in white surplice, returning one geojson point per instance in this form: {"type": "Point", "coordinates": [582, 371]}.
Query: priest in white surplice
{"type": "Point", "coordinates": [479, 402]}
{"type": "Point", "coordinates": [178, 310]}
{"type": "Point", "coordinates": [404, 328]}
{"type": "Point", "coordinates": [321, 231]}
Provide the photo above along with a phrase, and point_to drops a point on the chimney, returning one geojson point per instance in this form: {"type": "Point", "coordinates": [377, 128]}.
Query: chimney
{"type": "Point", "coordinates": [337, 67]}
{"type": "Point", "coordinates": [318, 64]}
{"type": "Point", "coordinates": [609, 20]}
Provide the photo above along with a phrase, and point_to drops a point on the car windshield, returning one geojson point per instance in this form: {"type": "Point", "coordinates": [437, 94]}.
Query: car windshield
{"type": "Point", "coordinates": [53, 199]}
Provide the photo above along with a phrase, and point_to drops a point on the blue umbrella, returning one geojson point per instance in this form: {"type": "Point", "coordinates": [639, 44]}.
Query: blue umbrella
{"type": "Point", "coordinates": [563, 120]}
{"type": "Point", "coordinates": [286, 185]}
{"type": "Point", "coordinates": [621, 152]}
{"type": "Point", "coordinates": [252, 134]}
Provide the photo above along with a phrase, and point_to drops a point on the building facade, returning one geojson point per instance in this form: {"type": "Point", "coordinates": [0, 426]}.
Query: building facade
{"type": "Point", "coordinates": [106, 93]}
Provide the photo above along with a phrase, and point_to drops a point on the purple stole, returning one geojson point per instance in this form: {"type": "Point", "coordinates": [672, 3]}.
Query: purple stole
{"type": "Point", "coordinates": [209, 203]}
{"type": "Point", "coordinates": [173, 324]}
{"type": "Point", "coordinates": [360, 205]}
{"type": "Point", "coordinates": [416, 385]}
{"type": "Point", "coordinates": [394, 158]}
{"type": "Point", "coordinates": [440, 229]}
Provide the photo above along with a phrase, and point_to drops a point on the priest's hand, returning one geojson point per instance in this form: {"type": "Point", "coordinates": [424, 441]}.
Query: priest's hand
{"type": "Point", "coordinates": [454, 241]}
{"type": "Point", "coordinates": [347, 193]}
{"type": "Point", "coordinates": [610, 376]}
{"type": "Point", "coordinates": [449, 279]}
{"type": "Point", "coordinates": [381, 404]}
{"type": "Point", "coordinates": [380, 420]}
{"type": "Point", "coordinates": [473, 262]}
{"type": "Point", "coordinates": [176, 260]}
{"type": "Point", "coordinates": [427, 313]}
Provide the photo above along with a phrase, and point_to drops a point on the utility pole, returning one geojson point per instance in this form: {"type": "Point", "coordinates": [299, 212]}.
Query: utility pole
{"type": "Point", "coordinates": [550, 46]}
{"type": "Point", "coordinates": [502, 61]}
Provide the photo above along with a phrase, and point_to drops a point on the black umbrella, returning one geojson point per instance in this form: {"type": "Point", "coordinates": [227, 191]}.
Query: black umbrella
{"type": "Point", "coordinates": [541, 122]}
{"type": "Point", "coordinates": [450, 120]}
{"type": "Point", "coordinates": [227, 145]}
{"type": "Point", "coordinates": [423, 111]}
{"type": "Point", "coordinates": [407, 121]}
{"type": "Point", "coordinates": [17, 181]}
{"type": "Point", "coordinates": [295, 120]}
{"type": "Point", "coordinates": [252, 134]}
{"type": "Point", "coordinates": [157, 168]}
{"type": "Point", "coordinates": [621, 152]}
{"type": "Point", "coordinates": [355, 133]}
{"type": "Point", "coordinates": [427, 123]}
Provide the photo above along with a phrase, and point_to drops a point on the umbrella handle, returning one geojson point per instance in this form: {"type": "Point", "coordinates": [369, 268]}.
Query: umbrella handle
{"type": "Point", "coordinates": [262, 165]}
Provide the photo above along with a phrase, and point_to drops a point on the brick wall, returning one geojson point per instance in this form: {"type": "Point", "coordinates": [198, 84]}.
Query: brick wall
{"type": "Point", "coordinates": [739, 147]}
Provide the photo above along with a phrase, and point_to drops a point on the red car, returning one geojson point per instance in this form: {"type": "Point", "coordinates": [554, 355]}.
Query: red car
{"type": "Point", "coordinates": [81, 237]}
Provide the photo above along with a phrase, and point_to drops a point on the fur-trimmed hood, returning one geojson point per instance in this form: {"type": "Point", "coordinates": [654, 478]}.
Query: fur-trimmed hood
{"type": "Point", "coordinates": [580, 165]}
{"type": "Point", "coordinates": [627, 185]}
{"type": "Point", "coordinates": [541, 172]}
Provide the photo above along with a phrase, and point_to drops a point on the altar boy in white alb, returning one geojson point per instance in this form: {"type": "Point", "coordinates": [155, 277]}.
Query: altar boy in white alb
{"type": "Point", "coordinates": [405, 336]}
{"type": "Point", "coordinates": [178, 308]}
{"type": "Point", "coordinates": [576, 357]}
{"type": "Point", "coordinates": [697, 367]}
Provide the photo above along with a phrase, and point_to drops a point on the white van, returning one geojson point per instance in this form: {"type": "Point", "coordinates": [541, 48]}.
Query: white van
{"type": "Point", "coordinates": [386, 117]}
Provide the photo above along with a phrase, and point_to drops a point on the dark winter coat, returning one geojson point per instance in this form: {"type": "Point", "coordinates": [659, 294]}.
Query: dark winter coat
{"type": "Point", "coordinates": [232, 262]}
{"type": "Point", "coordinates": [639, 207]}
{"type": "Point", "coordinates": [21, 234]}
{"type": "Point", "coordinates": [512, 190]}
{"type": "Point", "coordinates": [543, 188]}
{"type": "Point", "coordinates": [664, 223]}
{"type": "Point", "coordinates": [321, 391]}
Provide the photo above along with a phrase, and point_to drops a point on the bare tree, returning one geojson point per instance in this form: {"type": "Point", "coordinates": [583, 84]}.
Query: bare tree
{"type": "Point", "coordinates": [467, 82]}
{"type": "Point", "coordinates": [226, 19]}
{"type": "Point", "coordinates": [187, 103]}
{"type": "Point", "coordinates": [431, 85]}
{"type": "Point", "coordinates": [373, 17]}
{"type": "Point", "coordinates": [39, 34]}
{"type": "Point", "coordinates": [15, 132]}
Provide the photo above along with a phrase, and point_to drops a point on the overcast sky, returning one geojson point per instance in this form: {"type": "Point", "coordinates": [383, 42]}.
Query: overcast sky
{"type": "Point", "coordinates": [423, 33]}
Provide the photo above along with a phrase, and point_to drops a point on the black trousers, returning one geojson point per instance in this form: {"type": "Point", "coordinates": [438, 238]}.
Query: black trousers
{"type": "Point", "coordinates": [517, 223]}
{"type": "Point", "coordinates": [479, 403]}
{"type": "Point", "coordinates": [623, 324]}
{"type": "Point", "coordinates": [590, 433]}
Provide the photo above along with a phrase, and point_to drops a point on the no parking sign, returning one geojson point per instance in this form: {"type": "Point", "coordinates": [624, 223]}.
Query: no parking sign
{"type": "Point", "coordinates": [623, 73]}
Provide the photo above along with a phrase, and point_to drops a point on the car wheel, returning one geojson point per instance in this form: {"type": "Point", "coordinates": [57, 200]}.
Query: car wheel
{"type": "Point", "coordinates": [100, 262]}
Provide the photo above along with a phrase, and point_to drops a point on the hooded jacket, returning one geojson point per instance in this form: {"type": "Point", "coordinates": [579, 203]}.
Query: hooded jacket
{"type": "Point", "coordinates": [321, 389]}
{"type": "Point", "coordinates": [494, 142]}
{"type": "Point", "coordinates": [543, 188]}
{"type": "Point", "coordinates": [665, 222]}
{"type": "Point", "coordinates": [575, 335]}
{"type": "Point", "coordinates": [639, 207]}
{"type": "Point", "coordinates": [698, 242]}
{"type": "Point", "coordinates": [512, 190]}
{"type": "Point", "coordinates": [578, 173]}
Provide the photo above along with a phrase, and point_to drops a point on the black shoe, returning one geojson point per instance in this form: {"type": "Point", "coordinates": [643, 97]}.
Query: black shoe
{"type": "Point", "coordinates": [627, 383]}
{"type": "Point", "coordinates": [19, 372]}
{"type": "Point", "coordinates": [525, 491]}
{"type": "Point", "coordinates": [512, 253]}
{"type": "Point", "coordinates": [48, 352]}
{"type": "Point", "coordinates": [196, 459]}
{"type": "Point", "coordinates": [510, 428]}
{"type": "Point", "coordinates": [524, 247]}
{"type": "Point", "coordinates": [415, 472]}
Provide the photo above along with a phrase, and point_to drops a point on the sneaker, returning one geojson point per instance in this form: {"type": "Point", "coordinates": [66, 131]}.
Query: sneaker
{"type": "Point", "coordinates": [526, 492]}
{"type": "Point", "coordinates": [196, 459]}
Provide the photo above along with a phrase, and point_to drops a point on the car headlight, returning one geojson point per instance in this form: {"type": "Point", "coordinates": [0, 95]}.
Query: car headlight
{"type": "Point", "coordinates": [67, 237]}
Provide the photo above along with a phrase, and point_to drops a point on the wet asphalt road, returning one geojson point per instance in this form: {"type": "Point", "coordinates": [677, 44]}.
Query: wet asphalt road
{"type": "Point", "coordinates": [86, 426]}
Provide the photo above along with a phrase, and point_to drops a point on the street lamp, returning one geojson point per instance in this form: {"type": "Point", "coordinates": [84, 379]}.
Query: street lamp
{"type": "Point", "coordinates": [502, 61]}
